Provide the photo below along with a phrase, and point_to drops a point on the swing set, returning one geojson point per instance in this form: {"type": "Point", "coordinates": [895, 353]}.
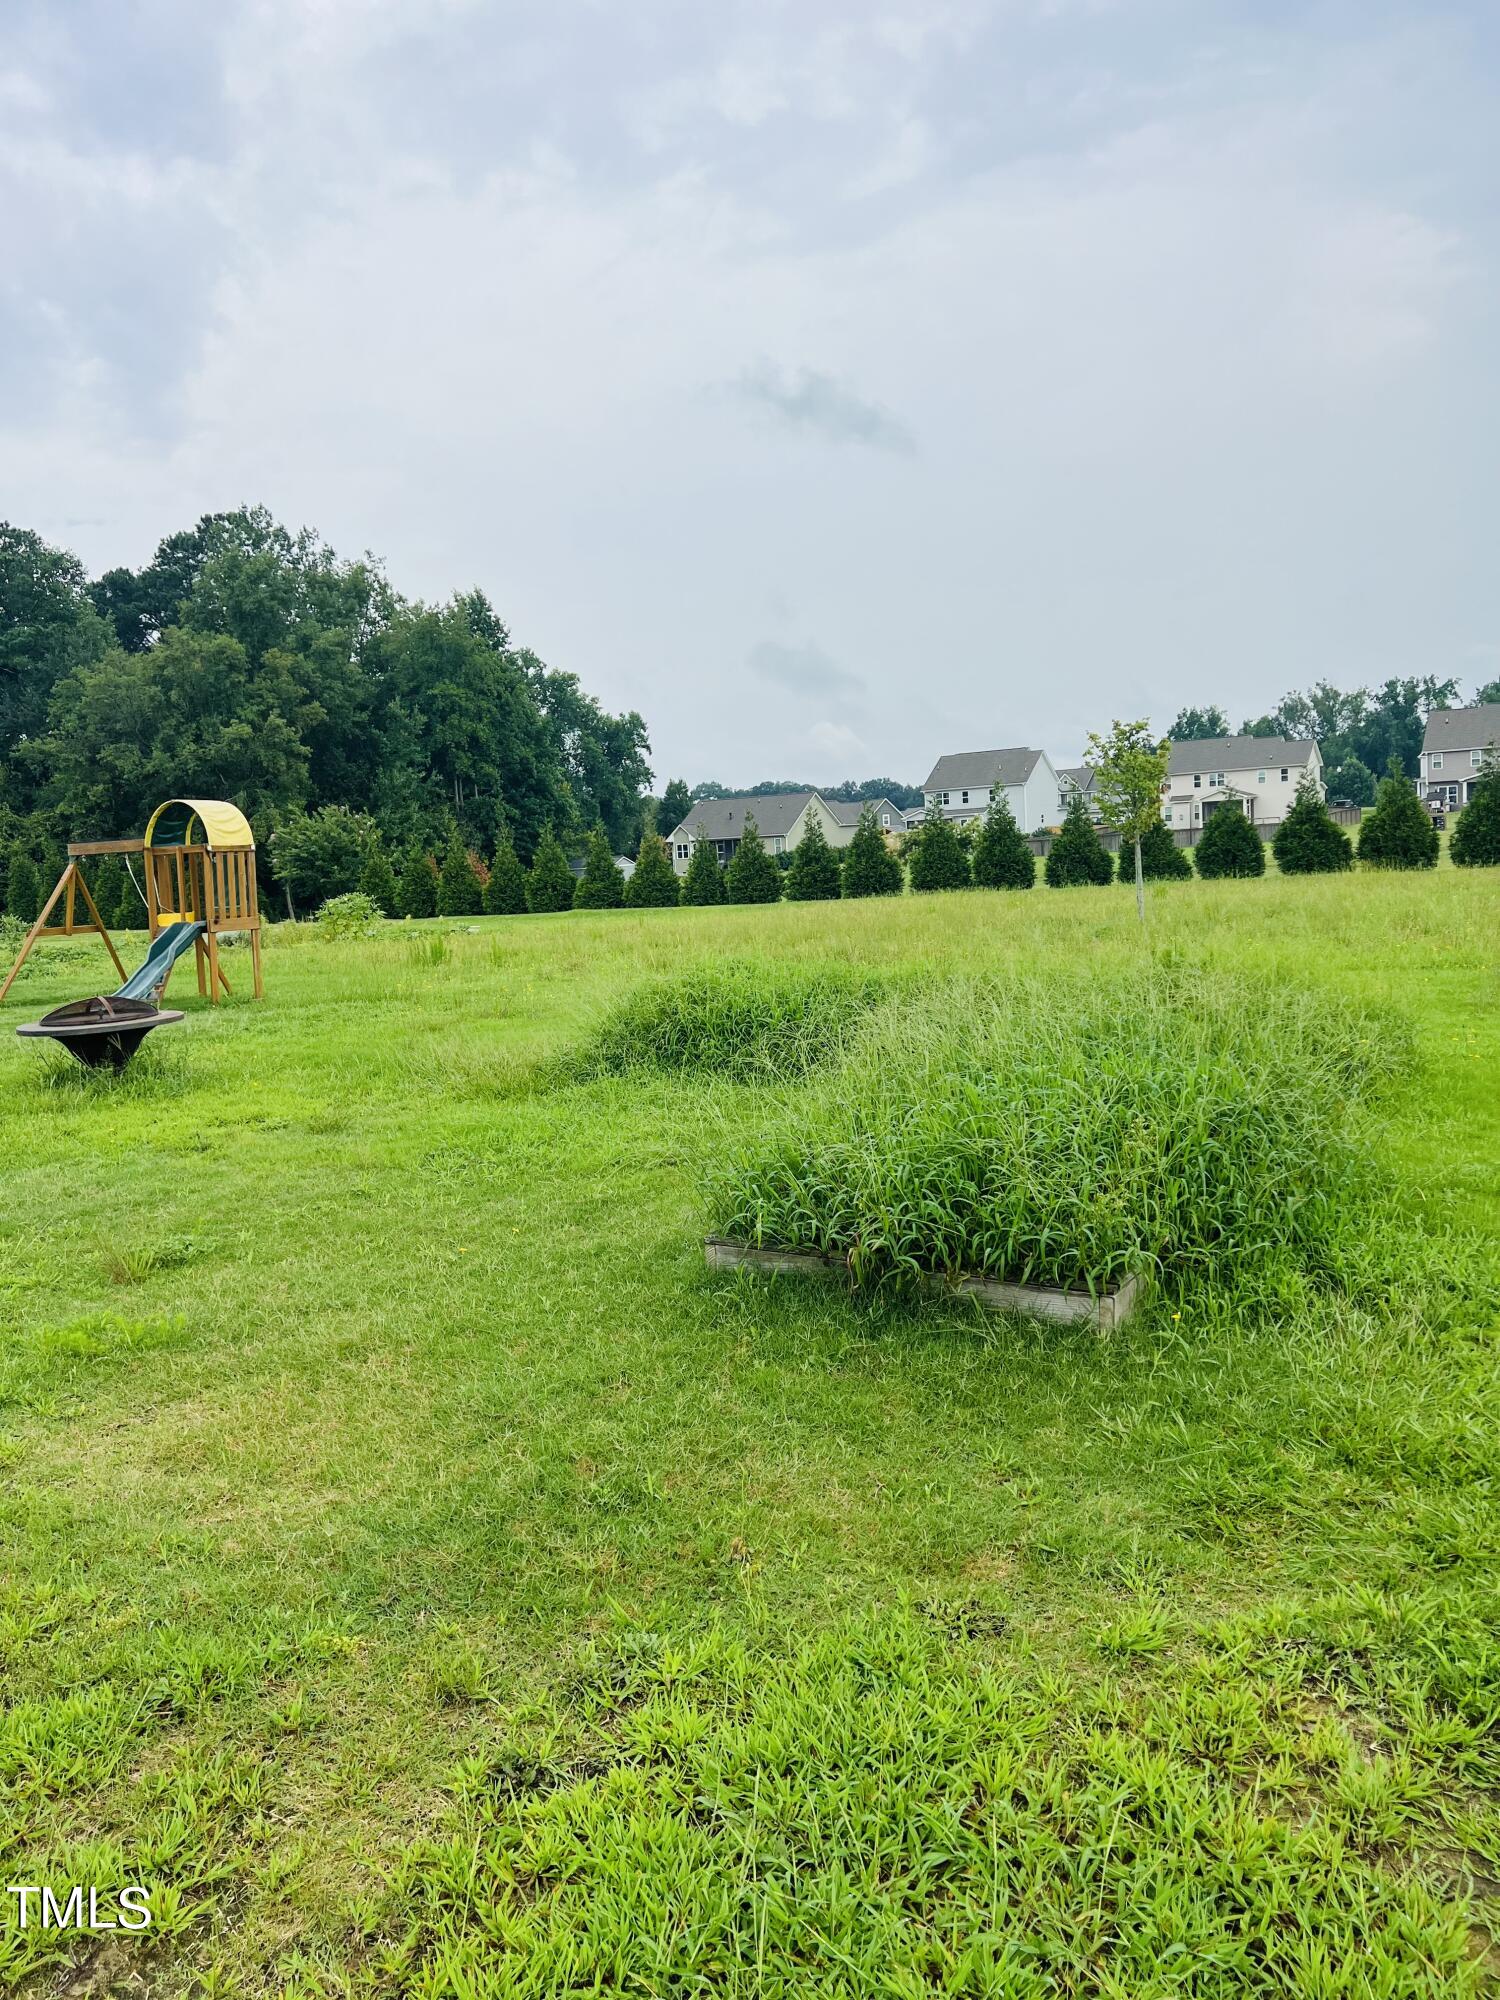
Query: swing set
{"type": "Point", "coordinates": [198, 861]}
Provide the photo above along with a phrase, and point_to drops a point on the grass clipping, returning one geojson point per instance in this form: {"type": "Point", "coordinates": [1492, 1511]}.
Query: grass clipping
{"type": "Point", "coordinates": [1070, 1135]}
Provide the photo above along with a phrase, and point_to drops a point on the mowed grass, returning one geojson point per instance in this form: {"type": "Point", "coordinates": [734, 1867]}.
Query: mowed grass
{"type": "Point", "coordinates": [425, 1576]}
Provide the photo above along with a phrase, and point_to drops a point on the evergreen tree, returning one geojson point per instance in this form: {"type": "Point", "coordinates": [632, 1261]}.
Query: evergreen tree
{"type": "Point", "coordinates": [602, 886]}
{"type": "Point", "coordinates": [1476, 838]}
{"type": "Point", "coordinates": [1229, 845]}
{"type": "Point", "coordinates": [505, 892]}
{"type": "Point", "coordinates": [378, 881]}
{"type": "Point", "coordinates": [1076, 856]}
{"type": "Point", "coordinates": [653, 886]}
{"type": "Point", "coordinates": [752, 876]}
{"type": "Point", "coordinates": [814, 874]}
{"type": "Point", "coordinates": [704, 880]}
{"type": "Point", "coordinates": [460, 892]}
{"type": "Point", "coordinates": [1002, 854]}
{"type": "Point", "coordinates": [23, 887]}
{"type": "Point", "coordinates": [550, 884]}
{"type": "Point", "coordinates": [104, 877]}
{"type": "Point", "coordinates": [1162, 860]}
{"type": "Point", "coordinates": [1399, 832]}
{"type": "Point", "coordinates": [1308, 841]}
{"type": "Point", "coordinates": [939, 858]}
{"type": "Point", "coordinates": [870, 868]}
{"type": "Point", "coordinates": [418, 884]}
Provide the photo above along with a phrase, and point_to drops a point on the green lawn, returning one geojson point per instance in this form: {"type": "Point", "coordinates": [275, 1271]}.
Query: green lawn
{"type": "Point", "coordinates": [428, 1580]}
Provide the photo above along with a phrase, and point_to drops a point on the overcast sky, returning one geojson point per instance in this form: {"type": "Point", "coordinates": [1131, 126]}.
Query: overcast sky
{"type": "Point", "coordinates": [838, 385]}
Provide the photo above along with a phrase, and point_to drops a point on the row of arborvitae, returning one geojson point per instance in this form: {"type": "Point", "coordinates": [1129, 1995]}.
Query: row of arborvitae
{"type": "Point", "coordinates": [816, 875]}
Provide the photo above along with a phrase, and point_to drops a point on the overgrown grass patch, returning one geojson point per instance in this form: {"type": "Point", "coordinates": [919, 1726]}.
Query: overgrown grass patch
{"type": "Point", "coordinates": [1073, 1132]}
{"type": "Point", "coordinates": [739, 1020]}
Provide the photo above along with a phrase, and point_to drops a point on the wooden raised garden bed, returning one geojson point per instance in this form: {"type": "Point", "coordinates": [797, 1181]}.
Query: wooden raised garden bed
{"type": "Point", "coordinates": [1106, 1310]}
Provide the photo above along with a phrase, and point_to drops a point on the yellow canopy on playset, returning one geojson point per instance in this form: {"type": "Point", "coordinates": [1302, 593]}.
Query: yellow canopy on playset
{"type": "Point", "coordinates": [214, 822]}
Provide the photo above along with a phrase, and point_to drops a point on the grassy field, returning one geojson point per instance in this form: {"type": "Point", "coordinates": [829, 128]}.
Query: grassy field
{"type": "Point", "coordinates": [428, 1580]}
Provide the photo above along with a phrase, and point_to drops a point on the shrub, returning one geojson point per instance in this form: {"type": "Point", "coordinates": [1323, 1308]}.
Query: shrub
{"type": "Point", "coordinates": [814, 875]}
{"type": "Point", "coordinates": [1476, 838]}
{"type": "Point", "coordinates": [1068, 1137]}
{"type": "Point", "coordinates": [1399, 832]}
{"type": "Point", "coordinates": [654, 885]}
{"type": "Point", "coordinates": [1229, 845]}
{"type": "Point", "coordinates": [418, 884]}
{"type": "Point", "coordinates": [752, 876]}
{"type": "Point", "coordinates": [1076, 857]}
{"type": "Point", "coordinates": [1002, 854]}
{"type": "Point", "coordinates": [939, 859]}
{"type": "Point", "coordinates": [704, 881]}
{"type": "Point", "coordinates": [735, 1020]}
{"type": "Point", "coordinates": [870, 868]}
{"type": "Point", "coordinates": [1162, 860]}
{"type": "Point", "coordinates": [354, 915]}
{"type": "Point", "coordinates": [23, 887]}
{"type": "Point", "coordinates": [505, 892]}
{"type": "Point", "coordinates": [460, 893]}
{"type": "Point", "coordinates": [378, 882]}
{"type": "Point", "coordinates": [1308, 841]}
{"type": "Point", "coordinates": [602, 886]}
{"type": "Point", "coordinates": [550, 884]}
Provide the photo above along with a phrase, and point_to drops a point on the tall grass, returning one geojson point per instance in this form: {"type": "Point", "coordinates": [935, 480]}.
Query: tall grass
{"type": "Point", "coordinates": [1071, 1133]}
{"type": "Point", "coordinates": [737, 1020]}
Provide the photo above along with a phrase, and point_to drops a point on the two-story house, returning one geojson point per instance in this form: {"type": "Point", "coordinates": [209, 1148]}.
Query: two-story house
{"type": "Point", "coordinates": [1258, 775]}
{"type": "Point", "coordinates": [1078, 778]}
{"type": "Point", "coordinates": [964, 783]}
{"type": "Point", "coordinates": [781, 819]}
{"type": "Point", "coordinates": [1454, 747]}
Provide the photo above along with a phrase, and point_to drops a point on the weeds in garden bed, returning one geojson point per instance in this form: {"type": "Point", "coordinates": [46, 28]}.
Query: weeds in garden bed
{"type": "Point", "coordinates": [1074, 1133]}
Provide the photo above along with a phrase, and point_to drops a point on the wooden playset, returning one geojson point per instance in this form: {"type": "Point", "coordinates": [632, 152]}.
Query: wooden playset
{"type": "Point", "coordinates": [198, 864]}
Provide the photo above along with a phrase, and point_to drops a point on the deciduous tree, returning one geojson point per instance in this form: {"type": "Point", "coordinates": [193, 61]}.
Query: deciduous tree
{"type": "Point", "coordinates": [1130, 772]}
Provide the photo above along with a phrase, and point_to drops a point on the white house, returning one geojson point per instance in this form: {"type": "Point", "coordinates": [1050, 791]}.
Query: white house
{"type": "Point", "coordinates": [781, 819]}
{"type": "Point", "coordinates": [1258, 775]}
{"type": "Point", "coordinates": [964, 783]}
{"type": "Point", "coordinates": [1453, 752]}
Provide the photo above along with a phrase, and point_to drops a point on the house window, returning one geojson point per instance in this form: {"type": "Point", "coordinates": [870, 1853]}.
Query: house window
{"type": "Point", "coordinates": [1215, 778]}
{"type": "Point", "coordinates": [1285, 773]}
{"type": "Point", "coordinates": [1260, 777]}
{"type": "Point", "coordinates": [682, 851]}
{"type": "Point", "coordinates": [1198, 779]}
{"type": "Point", "coordinates": [945, 798]}
{"type": "Point", "coordinates": [963, 798]}
{"type": "Point", "coordinates": [885, 819]}
{"type": "Point", "coordinates": [1437, 760]}
{"type": "Point", "coordinates": [1476, 758]}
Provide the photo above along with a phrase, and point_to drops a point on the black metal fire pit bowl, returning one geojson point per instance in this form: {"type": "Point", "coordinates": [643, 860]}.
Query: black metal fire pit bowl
{"type": "Point", "coordinates": [102, 1031]}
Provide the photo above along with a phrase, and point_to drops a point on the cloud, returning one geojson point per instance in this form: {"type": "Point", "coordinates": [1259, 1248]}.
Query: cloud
{"type": "Point", "coordinates": [836, 740]}
{"type": "Point", "coordinates": [810, 401]}
{"type": "Point", "coordinates": [803, 669]}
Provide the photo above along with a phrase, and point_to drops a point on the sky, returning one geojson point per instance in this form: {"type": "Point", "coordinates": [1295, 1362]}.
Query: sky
{"type": "Point", "coordinates": [837, 385]}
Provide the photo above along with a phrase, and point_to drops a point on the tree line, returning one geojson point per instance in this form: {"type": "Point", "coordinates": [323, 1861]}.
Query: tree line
{"type": "Point", "coordinates": [249, 662]}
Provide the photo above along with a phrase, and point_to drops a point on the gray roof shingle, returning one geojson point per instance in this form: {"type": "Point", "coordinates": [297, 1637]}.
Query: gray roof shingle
{"type": "Point", "coordinates": [1236, 753]}
{"type": "Point", "coordinates": [1081, 775]}
{"type": "Point", "coordinates": [847, 811]}
{"type": "Point", "coordinates": [982, 769]}
{"type": "Point", "coordinates": [724, 819]}
{"type": "Point", "coordinates": [1463, 728]}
